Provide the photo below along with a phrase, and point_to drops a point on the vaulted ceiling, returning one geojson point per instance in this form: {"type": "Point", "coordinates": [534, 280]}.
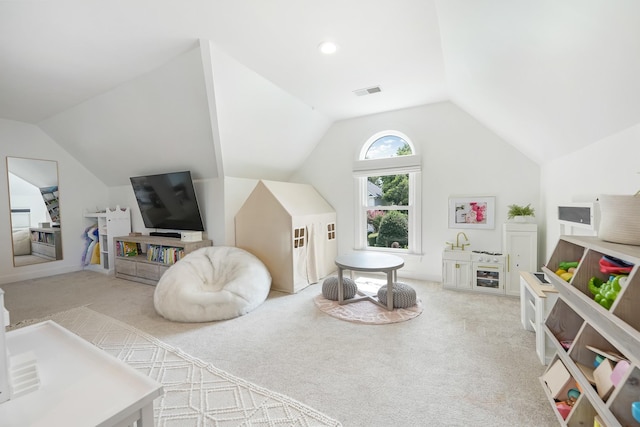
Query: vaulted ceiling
{"type": "Point", "coordinates": [548, 76]}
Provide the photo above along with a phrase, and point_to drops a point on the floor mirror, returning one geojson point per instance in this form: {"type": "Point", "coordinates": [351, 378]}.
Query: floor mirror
{"type": "Point", "coordinates": [34, 201]}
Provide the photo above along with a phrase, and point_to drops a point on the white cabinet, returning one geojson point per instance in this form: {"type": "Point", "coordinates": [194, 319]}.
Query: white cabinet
{"type": "Point", "coordinates": [520, 245]}
{"type": "Point", "coordinates": [456, 270]}
{"type": "Point", "coordinates": [111, 223]}
{"type": "Point", "coordinates": [536, 301]}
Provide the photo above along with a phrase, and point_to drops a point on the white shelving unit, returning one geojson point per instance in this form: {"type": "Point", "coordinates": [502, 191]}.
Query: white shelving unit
{"type": "Point", "coordinates": [583, 325]}
{"type": "Point", "coordinates": [111, 223]}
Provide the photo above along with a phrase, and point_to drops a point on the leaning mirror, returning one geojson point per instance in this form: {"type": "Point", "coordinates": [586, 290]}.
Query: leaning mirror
{"type": "Point", "coordinates": [35, 210]}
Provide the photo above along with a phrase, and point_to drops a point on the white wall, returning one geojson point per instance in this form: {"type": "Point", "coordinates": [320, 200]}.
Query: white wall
{"type": "Point", "coordinates": [210, 196]}
{"type": "Point", "coordinates": [157, 122]}
{"type": "Point", "coordinates": [236, 191]}
{"type": "Point", "coordinates": [460, 157]}
{"type": "Point", "coordinates": [265, 132]}
{"type": "Point", "coordinates": [609, 166]}
{"type": "Point", "coordinates": [27, 195]}
{"type": "Point", "coordinates": [79, 190]}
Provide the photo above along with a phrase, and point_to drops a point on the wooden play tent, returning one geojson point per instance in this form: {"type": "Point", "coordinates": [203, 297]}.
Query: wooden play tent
{"type": "Point", "coordinates": [292, 229]}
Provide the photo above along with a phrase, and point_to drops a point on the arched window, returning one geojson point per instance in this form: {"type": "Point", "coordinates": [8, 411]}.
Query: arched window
{"type": "Point", "coordinates": [385, 146]}
{"type": "Point", "coordinates": [387, 175]}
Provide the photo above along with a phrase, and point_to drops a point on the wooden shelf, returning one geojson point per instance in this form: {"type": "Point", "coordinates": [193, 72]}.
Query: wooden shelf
{"type": "Point", "coordinates": [576, 316]}
{"type": "Point", "coordinates": [46, 243]}
{"type": "Point", "coordinates": [140, 268]}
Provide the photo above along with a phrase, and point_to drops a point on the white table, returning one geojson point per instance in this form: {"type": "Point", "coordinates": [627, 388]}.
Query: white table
{"type": "Point", "coordinates": [368, 262]}
{"type": "Point", "coordinates": [536, 301]}
{"type": "Point", "coordinates": [80, 384]}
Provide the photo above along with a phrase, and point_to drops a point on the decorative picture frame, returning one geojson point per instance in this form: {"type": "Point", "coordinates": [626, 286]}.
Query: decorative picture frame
{"type": "Point", "coordinates": [472, 212]}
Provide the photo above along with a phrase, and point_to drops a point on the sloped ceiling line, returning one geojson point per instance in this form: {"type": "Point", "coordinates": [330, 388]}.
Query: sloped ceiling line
{"type": "Point", "coordinates": [207, 69]}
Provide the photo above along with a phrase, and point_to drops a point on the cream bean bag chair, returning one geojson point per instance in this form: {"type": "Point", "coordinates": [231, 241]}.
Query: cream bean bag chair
{"type": "Point", "coordinates": [213, 283]}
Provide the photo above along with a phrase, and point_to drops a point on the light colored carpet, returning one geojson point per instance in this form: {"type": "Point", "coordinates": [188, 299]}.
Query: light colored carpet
{"type": "Point", "coordinates": [195, 393]}
{"type": "Point", "coordinates": [465, 361]}
{"type": "Point", "coordinates": [366, 311]}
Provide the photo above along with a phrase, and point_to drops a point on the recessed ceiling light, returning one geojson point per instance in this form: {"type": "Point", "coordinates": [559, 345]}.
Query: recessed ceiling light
{"type": "Point", "coordinates": [328, 48]}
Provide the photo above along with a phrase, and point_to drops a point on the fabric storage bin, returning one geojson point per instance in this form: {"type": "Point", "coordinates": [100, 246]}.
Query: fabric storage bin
{"type": "Point", "coordinates": [620, 218]}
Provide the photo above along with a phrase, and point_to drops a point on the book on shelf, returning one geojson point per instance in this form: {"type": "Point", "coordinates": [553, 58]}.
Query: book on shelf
{"type": "Point", "coordinates": [127, 249]}
{"type": "Point", "coordinates": [164, 254]}
{"type": "Point", "coordinates": [130, 249]}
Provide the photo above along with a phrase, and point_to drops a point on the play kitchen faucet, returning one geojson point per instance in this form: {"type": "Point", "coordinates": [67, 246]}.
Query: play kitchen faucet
{"type": "Point", "coordinates": [458, 245]}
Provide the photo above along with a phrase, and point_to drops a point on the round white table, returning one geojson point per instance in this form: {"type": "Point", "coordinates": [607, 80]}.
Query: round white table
{"type": "Point", "coordinates": [369, 262]}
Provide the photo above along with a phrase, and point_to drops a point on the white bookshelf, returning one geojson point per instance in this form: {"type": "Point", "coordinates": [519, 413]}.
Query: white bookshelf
{"type": "Point", "coordinates": [111, 223]}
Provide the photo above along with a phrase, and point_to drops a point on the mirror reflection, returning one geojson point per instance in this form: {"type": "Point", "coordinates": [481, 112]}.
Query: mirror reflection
{"type": "Point", "coordinates": [35, 210]}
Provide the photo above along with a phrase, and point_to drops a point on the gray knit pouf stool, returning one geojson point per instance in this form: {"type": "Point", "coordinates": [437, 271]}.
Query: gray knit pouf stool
{"type": "Point", "coordinates": [403, 295]}
{"type": "Point", "coordinates": [330, 288]}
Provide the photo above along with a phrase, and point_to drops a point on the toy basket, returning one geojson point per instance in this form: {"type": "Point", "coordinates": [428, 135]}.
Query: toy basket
{"type": "Point", "coordinates": [620, 219]}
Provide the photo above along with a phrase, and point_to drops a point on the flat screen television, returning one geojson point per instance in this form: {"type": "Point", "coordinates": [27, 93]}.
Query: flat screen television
{"type": "Point", "coordinates": [168, 201]}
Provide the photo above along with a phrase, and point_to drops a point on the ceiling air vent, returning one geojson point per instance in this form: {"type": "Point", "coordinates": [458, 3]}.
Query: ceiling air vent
{"type": "Point", "coordinates": [367, 91]}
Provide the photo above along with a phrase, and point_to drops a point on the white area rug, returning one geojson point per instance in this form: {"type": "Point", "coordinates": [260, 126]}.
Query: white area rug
{"type": "Point", "coordinates": [196, 393]}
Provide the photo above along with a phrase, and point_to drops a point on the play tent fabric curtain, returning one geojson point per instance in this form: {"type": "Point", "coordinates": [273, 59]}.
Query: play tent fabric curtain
{"type": "Point", "coordinates": [312, 255]}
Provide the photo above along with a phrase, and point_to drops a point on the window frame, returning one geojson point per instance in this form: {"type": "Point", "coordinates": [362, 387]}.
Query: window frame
{"type": "Point", "coordinates": [364, 168]}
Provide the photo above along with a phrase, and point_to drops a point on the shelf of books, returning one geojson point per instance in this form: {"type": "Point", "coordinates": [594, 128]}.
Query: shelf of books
{"type": "Point", "coordinates": [128, 249]}
{"type": "Point", "coordinates": [164, 254]}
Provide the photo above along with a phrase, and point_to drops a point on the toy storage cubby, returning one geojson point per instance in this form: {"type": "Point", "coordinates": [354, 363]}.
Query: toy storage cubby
{"type": "Point", "coordinates": [580, 329]}
{"type": "Point", "coordinates": [563, 323]}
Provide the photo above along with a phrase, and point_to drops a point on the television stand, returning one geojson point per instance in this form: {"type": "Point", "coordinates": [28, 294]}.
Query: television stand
{"type": "Point", "coordinates": [153, 256]}
{"type": "Point", "coordinates": [165, 234]}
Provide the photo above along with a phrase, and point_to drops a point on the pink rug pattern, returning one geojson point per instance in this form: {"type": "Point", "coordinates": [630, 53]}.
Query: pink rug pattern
{"type": "Point", "coordinates": [367, 312]}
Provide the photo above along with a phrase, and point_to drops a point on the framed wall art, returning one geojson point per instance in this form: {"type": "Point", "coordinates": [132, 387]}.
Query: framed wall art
{"type": "Point", "coordinates": [472, 212]}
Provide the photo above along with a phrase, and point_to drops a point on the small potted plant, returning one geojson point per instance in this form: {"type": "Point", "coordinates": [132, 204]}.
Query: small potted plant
{"type": "Point", "coordinates": [519, 213]}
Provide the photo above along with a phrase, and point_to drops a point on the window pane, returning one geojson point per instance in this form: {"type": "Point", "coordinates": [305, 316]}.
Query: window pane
{"type": "Point", "coordinates": [388, 190]}
{"type": "Point", "coordinates": [388, 228]}
{"type": "Point", "coordinates": [388, 197]}
{"type": "Point", "coordinates": [388, 146]}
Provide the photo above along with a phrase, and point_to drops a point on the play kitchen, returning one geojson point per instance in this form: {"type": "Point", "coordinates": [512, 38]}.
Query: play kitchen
{"type": "Point", "coordinates": [479, 271]}
{"type": "Point", "coordinates": [490, 271]}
